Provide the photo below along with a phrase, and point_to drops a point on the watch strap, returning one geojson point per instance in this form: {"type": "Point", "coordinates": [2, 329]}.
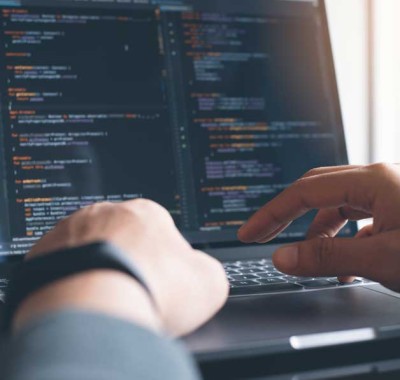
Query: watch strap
{"type": "Point", "coordinates": [38, 272]}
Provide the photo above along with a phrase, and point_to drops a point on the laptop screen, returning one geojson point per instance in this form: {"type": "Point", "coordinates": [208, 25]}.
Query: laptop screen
{"type": "Point", "coordinates": [210, 108]}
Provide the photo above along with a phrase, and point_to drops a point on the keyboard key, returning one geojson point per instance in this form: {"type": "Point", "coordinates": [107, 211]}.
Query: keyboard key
{"type": "Point", "coordinates": [242, 277]}
{"type": "Point", "coordinates": [262, 289]}
{"type": "Point", "coordinates": [232, 271]}
{"type": "Point", "coordinates": [243, 283]}
{"type": "Point", "coordinates": [264, 267]}
{"type": "Point", "coordinates": [275, 280]}
{"type": "Point", "coordinates": [297, 279]}
{"type": "Point", "coordinates": [252, 262]}
{"type": "Point", "coordinates": [268, 275]}
{"type": "Point", "coordinates": [317, 284]}
{"type": "Point", "coordinates": [248, 264]}
{"type": "Point", "coordinates": [245, 264]}
{"type": "Point", "coordinates": [274, 271]}
{"type": "Point", "coordinates": [252, 270]}
{"type": "Point", "coordinates": [231, 266]}
{"type": "Point", "coordinates": [337, 282]}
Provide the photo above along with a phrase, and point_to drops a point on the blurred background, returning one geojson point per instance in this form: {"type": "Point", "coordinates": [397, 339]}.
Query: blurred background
{"type": "Point", "coordinates": [365, 37]}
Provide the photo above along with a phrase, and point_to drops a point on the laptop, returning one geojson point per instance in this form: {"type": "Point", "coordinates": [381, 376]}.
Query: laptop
{"type": "Point", "coordinates": [210, 108]}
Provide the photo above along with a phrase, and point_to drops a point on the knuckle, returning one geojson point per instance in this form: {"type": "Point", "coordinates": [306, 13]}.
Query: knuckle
{"type": "Point", "coordinates": [147, 205]}
{"type": "Point", "coordinates": [314, 172]}
{"type": "Point", "coordinates": [93, 211]}
{"type": "Point", "coordinates": [324, 249]}
{"type": "Point", "coordinates": [84, 220]}
{"type": "Point", "coordinates": [379, 166]}
{"type": "Point", "coordinates": [319, 229]}
{"type": "Point", "coordinates": [147, 212]}
{"type": "Point", "coordinates": [97, 207]}
{"type": "Point", "coordinates": [309, 173]}
{"type": "Point", "coordinates": [299, 185]}
{"type": "Point", "coordinates": [298, 190]}
{"type": "Point", "coordinates": [143, 203]}
{"type": "Point", "coordinates": [276, 218]}
{"type": "Point", "coordinates": [383, 168]}
{"type": "Point", "coordinates": [299, 182]}
{"type": "Point", "coordinates": [385, 174]}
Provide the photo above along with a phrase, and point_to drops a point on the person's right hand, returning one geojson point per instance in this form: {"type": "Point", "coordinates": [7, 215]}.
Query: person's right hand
{"type": "Point", "coordinates": [188, 286]}
{"type": "Point", "coordinates": [341, 194]}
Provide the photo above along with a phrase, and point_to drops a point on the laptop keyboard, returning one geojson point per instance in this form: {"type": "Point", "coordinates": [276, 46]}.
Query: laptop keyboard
{"type": "Point", "coordinates": [260, 277]}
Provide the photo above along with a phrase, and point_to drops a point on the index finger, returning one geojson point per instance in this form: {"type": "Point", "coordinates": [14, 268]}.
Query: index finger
{"type": "Point", "coordinates": [328, 190]}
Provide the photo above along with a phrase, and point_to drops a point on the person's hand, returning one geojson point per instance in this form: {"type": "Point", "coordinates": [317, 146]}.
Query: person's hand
{"type": "Point", "coordinates": [188, 286]}
{"type": "Point", "coordinates": [341, 194]}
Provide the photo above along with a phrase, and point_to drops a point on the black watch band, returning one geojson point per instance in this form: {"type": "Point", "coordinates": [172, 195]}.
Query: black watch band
{"type": "Point", "coordinates": [34, 274]}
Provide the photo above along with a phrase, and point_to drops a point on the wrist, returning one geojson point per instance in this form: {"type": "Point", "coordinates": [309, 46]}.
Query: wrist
{"type": "Point", "coordinates": [102, 291]}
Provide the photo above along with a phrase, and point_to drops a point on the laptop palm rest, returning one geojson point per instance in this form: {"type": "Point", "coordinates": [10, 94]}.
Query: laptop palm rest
{"type": "Point", "coordinates": [254, 321]}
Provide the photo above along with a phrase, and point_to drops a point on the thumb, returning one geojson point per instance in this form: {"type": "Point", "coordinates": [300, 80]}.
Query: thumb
{"type": "Point", "coordinates": [373, 257]}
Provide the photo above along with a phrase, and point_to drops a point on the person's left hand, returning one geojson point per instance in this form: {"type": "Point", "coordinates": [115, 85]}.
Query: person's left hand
{"type": "Point", "coordinates": [188, 286]}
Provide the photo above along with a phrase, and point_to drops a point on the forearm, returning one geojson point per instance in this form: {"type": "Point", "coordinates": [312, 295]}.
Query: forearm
{"type": "Point", "coordinates": [95, 325]}
{"type": "Point", "coordinates": [108, 292]}
{"type": "Point", "coordinates": [76, 345]}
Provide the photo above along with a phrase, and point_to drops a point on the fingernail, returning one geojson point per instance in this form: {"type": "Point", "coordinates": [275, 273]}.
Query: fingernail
{"type": "Point", "coordinates": [286, 258]}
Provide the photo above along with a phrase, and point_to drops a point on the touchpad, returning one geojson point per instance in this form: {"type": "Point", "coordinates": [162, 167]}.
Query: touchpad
{"type": "Point", "coordinates": [253, 320]}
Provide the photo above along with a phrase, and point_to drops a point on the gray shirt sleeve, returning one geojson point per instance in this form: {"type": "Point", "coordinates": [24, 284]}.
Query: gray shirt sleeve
{"type": "Point", "coordinates": [76, 345]}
